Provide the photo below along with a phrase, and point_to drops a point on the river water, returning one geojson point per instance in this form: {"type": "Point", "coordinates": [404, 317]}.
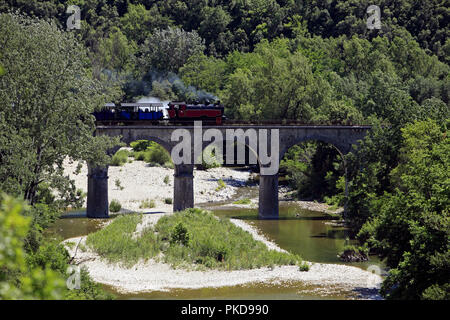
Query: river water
{"type": "Point", "coordinates": [316, 236]}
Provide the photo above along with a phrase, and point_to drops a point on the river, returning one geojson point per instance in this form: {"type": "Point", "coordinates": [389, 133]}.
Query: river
{"type": "Point", "coordinates": [315, 236]}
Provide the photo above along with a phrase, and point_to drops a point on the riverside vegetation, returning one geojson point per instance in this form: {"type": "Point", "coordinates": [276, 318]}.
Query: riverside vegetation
{"type": "Point", "coordinates": [192, 238]}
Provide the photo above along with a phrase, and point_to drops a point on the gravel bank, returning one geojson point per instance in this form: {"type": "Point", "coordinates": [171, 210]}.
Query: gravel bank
{"type": "Point", "coordinates": [139, 182]}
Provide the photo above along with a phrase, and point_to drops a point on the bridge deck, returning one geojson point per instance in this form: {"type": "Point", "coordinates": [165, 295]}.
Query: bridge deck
{"type": "Point", "coordinates": [256, 126]}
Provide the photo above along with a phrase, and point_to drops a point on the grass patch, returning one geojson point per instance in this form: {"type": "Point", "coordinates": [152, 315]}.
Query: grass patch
{"type": "Point", "coordinates": [243, 201]}
{"type": "Point", "coordinates": [115, 206]}
{"type": "Point", "coordinates": [192, 238]}
{"type": "Point", "coordinates": [221, 185]}
{"type": "Point", "coordinates": [70, 244]}
{"type": "Point", "coordinates": [303, 266]}
{"type": "Point", "coordinates": [116, 244]}
{"type": "Point", "coordinates": [118, 184]}
{"type": "Point", "coordinates": [215, 243]}
{"type": "Point", "coordinates": [147, 204]}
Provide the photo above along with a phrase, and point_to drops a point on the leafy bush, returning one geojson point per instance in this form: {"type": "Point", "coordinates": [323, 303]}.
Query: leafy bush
{"type": "Point", "coordinates": [153, 153]}
{"type": "Point", "coordinates": [157, 154]}
{"type": "Point", "coordinates": [354, 254]}
{"type": "Point", "coordinates": [50, 254]}
{"type": "Point", "coordinates": [179, 234]}
{"type": "Point", "coordinates": [209, 159]}
{"type": "Point", "coordinates": [140, 156]}
{"type": "Point", "coordinates": [303, 266]}
{"type": "Point", "coordinates": [168, 201]}
{"type": "Point", "coordinates": [120, 158]}
{"type": "Point", "coordinates": [140, 145]}
{"type": "Point", "coordinates": [115, 206]}
{"type": "Point", "coordinates": [42, 216]}
{"type": "Point", "coordinates": [89, 290]}
{"type": "Point", "coordinates": [17, 279]}
{"type": "Point", "coordinates": [166, 179]}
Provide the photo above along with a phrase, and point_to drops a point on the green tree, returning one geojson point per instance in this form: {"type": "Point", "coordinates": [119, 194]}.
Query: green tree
{"type": "Point", "coordinates": [138, 22]}
{"type": "Point", "coordinates": [116, 52]}
{"type": "Point", "coordinates": [46, 101]}
{"type": "Point", "coordinates": [411, 225]}
{"type": "Point", "coordinates": [17, 280]}
{"type": "Point", "coordinates": [273, 83]}
{"type": "Point", "coordinates": [169, 49]}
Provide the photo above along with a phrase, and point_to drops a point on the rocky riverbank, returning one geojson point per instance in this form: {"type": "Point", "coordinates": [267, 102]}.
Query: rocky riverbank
{"type": "Point", "coordinates": [135, 182]}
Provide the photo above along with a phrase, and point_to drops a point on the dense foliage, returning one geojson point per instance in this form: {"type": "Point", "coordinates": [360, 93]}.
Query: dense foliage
{"type": "Point", "coordinates": [410, 226]}
{"type": "Point", "coordinates": [35, 273]}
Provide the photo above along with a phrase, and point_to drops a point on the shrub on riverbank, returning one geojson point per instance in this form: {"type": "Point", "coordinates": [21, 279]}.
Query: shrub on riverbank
{"type": "Point", "coordinates": [115, 206]}
{"type": "Point", "coordinates": [120, 158]}
{"type": "Point", "coordinates": [151, 152]}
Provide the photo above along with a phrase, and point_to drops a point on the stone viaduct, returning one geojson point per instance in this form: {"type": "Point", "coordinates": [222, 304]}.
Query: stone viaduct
{"type": "Point", "coordinates": [341, 137]}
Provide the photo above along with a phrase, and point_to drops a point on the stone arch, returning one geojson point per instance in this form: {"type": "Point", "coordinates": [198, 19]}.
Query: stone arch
{"type": "Point", "coordinates": [341, 148]}
{"type": "Point", "coordinates": [246, 146]}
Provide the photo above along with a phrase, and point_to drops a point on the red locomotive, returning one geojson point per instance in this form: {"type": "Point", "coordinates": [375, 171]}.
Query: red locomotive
{"type": "Point", "coordinates": [182, 112]}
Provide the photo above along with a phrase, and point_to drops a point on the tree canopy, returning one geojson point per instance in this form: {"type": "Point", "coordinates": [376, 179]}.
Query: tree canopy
{"type": "Point", "coordinates": [47, 96]}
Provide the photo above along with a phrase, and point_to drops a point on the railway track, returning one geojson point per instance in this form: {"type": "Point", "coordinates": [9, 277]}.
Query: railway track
{"type": "Point", "coordinates": [236, 123]}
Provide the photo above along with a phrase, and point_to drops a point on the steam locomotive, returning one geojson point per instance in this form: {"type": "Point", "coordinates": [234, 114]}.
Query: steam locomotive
{"type": "Point", "coordinates": [157, 113]}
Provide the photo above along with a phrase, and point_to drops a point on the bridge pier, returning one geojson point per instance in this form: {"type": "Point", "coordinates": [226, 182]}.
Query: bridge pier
{"type": "Point", "coordinates": [183, 191]}
{"type": "Point", "coordinates": [97, 197]}
{"type": "Point", "coordinates": [268, 197]}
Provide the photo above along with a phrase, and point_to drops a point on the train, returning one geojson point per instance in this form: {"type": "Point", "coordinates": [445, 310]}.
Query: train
{"type": "Point", "coordinates": [157, 113]}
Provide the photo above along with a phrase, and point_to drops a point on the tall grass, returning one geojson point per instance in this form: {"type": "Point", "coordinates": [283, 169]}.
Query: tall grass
{"type": "Point", "coordinates": [243, 201]}
{"type": "Point", "coordinates": [216, 243]}
{"type": "Point", "coordinates": [115, 242]}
